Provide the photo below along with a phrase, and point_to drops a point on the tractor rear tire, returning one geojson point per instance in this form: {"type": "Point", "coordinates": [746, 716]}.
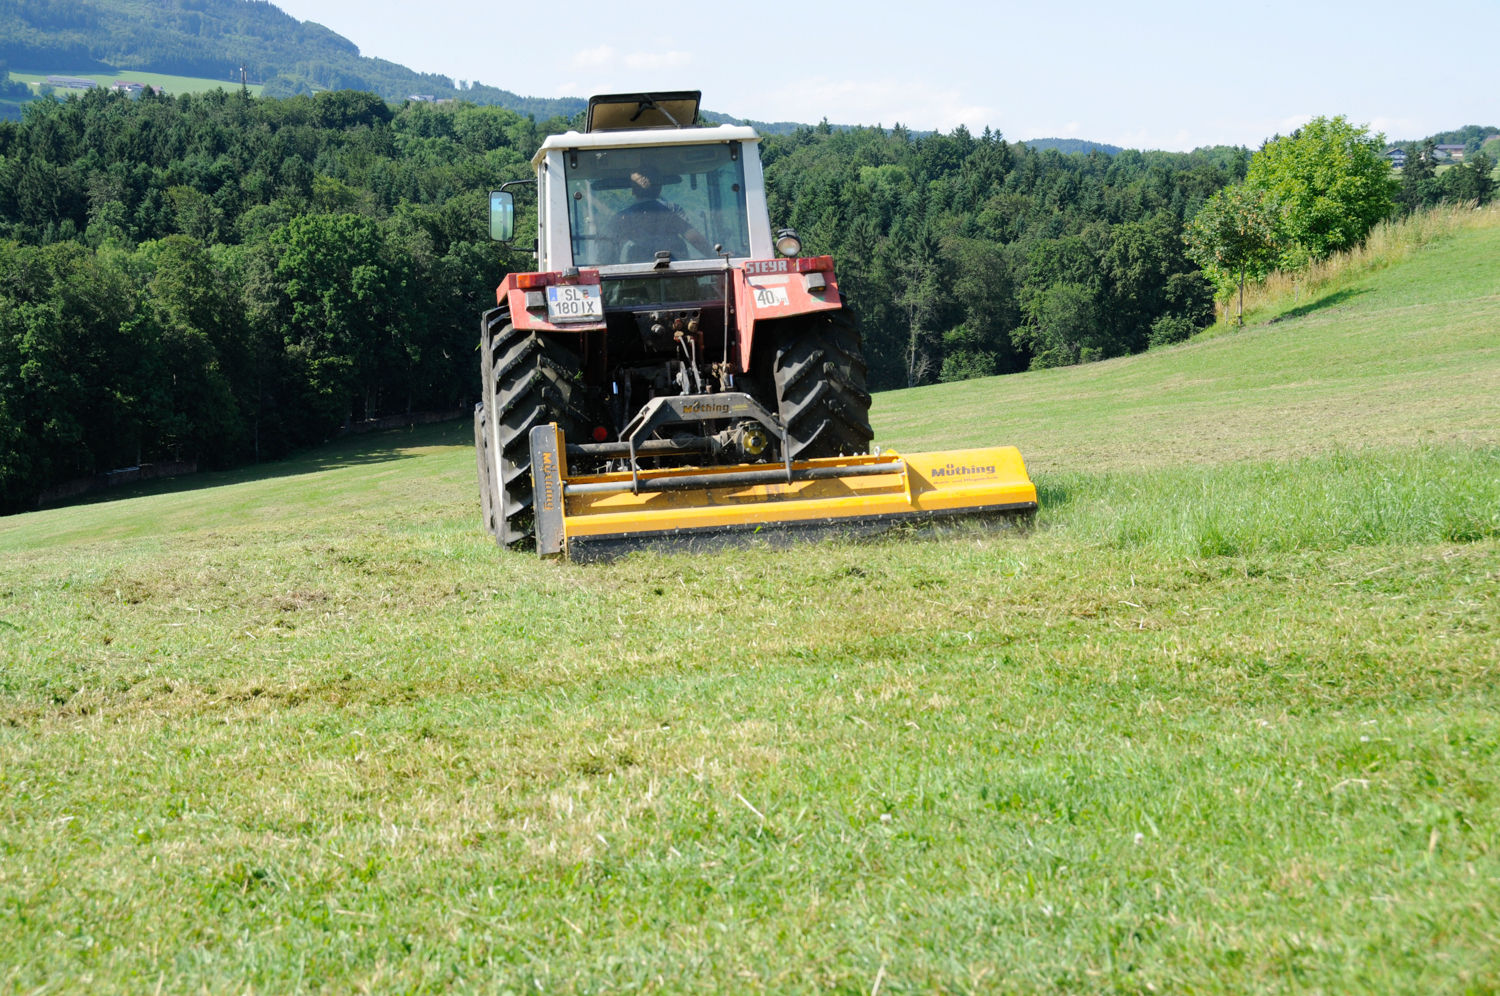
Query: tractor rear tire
{"type": "Point", "coordinates": [536, 380]}
{"type": "Point", "coordinates": [819, 373]}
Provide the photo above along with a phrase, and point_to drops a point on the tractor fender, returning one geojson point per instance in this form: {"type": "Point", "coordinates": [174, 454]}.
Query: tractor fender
{"type": "Point", "coordinates": [763, 294]}
{"type": "Point", "coordinates": [525, 296]}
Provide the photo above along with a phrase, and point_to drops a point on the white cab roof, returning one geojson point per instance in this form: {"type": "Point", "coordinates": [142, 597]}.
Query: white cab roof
{"type": "Point", "coordinates": [645, 137]}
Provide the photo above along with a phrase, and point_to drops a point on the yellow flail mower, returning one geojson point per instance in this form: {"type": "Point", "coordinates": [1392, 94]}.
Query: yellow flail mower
{"type": "Point", "coordinates": [674, 373]}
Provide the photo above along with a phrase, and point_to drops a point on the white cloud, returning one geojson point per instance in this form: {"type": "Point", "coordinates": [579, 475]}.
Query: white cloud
{"type": "Point", "coordinates": [1146, 139]}
{"type": "Point", "coordinates": [1397, 128]}
{"type": "Point", "coordinates": [607, 69]}
{"type": "Point", "coordinates": [916, 105]}
{"type": "Point", "coordinates": [601, 57]}
{"type": "Point", "coordinates": [1288, 125]}
{"type": "Point", "coordinates": [657, 61]}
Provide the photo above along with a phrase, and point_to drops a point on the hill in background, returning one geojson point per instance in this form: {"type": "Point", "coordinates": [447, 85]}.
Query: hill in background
{"type": "Point", "coordinates": [1077, 146]}
{"type": "Point", "coordinates": [215, 39]}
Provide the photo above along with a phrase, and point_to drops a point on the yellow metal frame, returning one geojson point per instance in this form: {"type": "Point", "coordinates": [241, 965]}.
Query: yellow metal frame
{"type": "Point", "coordinates": [990, 480]}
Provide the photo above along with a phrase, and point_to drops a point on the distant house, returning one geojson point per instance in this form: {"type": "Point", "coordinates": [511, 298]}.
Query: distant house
{"type": "Point", "coordinates": [128, 86]}
{"type": "Point", "coordinates": [422, 98]}
{"type": "Point", "coordinates": [1454, 152]}
{"type": "Point", "coordinates": [1397, 155]}
{"type": "Point", "coordinates": [71, 82]}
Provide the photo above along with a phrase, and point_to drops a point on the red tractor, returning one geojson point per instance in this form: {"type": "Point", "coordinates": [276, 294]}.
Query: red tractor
{"type": "Point", "coordinates": [666, 327]}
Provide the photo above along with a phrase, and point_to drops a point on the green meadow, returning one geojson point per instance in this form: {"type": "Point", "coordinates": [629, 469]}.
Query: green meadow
{"type": "Point", "coordinates": [1225, 719]}
{"type": "Point", "coordinates": [172, 84]}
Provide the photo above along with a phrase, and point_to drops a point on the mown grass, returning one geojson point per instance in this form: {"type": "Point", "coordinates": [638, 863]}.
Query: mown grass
{"type": "Point", "coordinates": [1224, 720]}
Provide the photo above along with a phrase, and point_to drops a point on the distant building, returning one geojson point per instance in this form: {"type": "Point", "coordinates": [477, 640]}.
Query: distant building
{"type": "Point", "coordinates": [422, 98]}
{"type": "Point", "coordinates": [1397, 155]}
{"type": "Point", "coordinates": [71, 82]}
{"type": "Point", "coordinates": [128, 86]}
{"type": "Point", "coordinates": [1454, 152]}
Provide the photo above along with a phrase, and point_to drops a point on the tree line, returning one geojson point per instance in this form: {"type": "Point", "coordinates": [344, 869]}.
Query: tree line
{"type": "Point", "coordinates": [1471, 137]}
{"type": "Point", "coordinates": [223, 279]}
{"type": "Point", "coordinates": [970, 255]}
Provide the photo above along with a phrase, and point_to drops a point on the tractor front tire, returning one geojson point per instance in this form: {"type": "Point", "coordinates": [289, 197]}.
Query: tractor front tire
{"type": "Point", "coordinates": [819, 373]}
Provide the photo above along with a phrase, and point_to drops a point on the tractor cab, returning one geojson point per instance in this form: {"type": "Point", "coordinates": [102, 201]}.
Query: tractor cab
{"type": "Point", "coordinates": [646, 188]}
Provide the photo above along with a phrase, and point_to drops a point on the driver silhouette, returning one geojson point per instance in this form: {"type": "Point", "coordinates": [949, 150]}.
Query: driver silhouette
{"type": "Point", "coordinates": [651, 224]}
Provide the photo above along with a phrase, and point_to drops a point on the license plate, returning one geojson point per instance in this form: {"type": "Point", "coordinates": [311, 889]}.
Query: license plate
{"type": "Point", "coordinates": [574, 303]}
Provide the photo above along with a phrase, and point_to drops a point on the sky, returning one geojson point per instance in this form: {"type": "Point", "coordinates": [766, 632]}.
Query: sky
{"type": "Point", "coordinates": [1155, 74]}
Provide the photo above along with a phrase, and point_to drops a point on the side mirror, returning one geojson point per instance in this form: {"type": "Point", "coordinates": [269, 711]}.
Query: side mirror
{"type": "Point", "coordinates": [502, 215]}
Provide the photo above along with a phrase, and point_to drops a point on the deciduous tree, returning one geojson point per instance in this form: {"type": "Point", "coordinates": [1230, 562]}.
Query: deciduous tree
{"type": "Point", "coordinates": [1234, 234]}
{"type": "Point", "coordinates": [1331, 184]}
{"type": "Point", "coordinates": [1063, 326]}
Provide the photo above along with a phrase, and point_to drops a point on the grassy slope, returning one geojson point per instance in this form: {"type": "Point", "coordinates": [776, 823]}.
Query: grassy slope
{"type": "Point", "coordinates": [1409, 358]}
{"type": "Point", "coordinates": [172, 84]}
{"type": "Point", "coordinates": [1226, 722]}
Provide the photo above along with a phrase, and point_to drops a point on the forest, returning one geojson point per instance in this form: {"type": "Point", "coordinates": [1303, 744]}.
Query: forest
{"type": "Point", "coordinates": [221, 279]}
{"type": "Point", "coordinates": [967, 256]}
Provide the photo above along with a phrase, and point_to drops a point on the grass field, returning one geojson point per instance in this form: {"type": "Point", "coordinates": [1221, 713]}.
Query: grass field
{"type": "Point", "coordinates": [1226, 720]}
{"type": "Point", "coordinates": [172, 84]}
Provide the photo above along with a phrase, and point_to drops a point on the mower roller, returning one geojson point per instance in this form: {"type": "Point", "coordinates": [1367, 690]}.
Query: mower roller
{"type": "Point", "coordinates": [674, 374]}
